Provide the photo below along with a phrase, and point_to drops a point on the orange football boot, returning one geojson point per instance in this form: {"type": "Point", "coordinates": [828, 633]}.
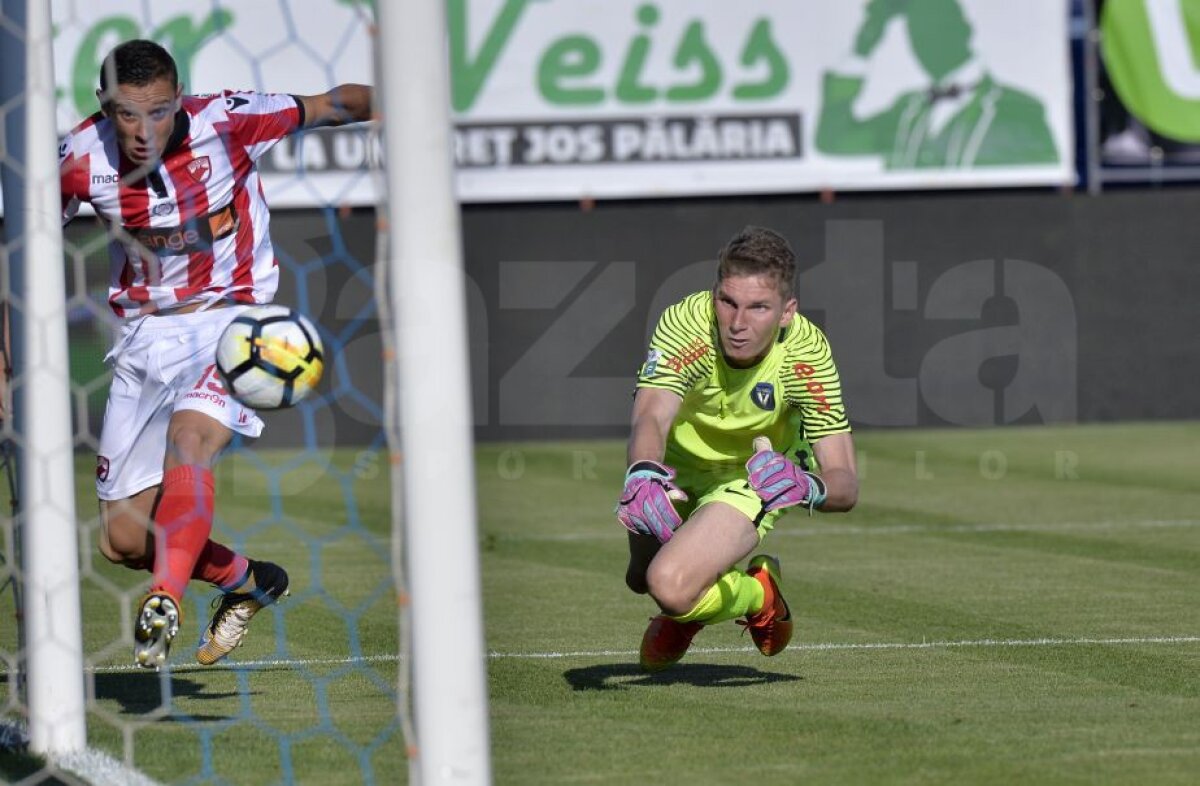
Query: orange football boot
{"type": "Point", "coordinates": [770, 626]}
{"type": "Point", "coordinates": [666, 641]}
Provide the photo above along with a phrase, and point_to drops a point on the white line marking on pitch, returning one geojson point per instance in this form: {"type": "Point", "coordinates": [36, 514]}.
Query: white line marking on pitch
{"type": "Point", "coordinates": [362, 660]}
{"type": "Point", "coordinates": [815, 647]}
{"type": "Point", "coordinates": [878, 645]}
{"type": "Point", "coordinates": [905, 529]}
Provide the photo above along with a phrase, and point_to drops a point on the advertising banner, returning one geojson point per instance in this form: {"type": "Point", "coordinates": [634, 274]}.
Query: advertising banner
{"type": "Point", "coordinates": [574, 99]}
{"type": "Point", "coordinates": [1150, 84]}
{"type": "Point", "coordinates": [612, 98]}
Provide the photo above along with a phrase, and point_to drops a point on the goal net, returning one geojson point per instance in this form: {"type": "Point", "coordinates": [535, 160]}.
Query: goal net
{"type": "Point", "coordinates": [313, 694]}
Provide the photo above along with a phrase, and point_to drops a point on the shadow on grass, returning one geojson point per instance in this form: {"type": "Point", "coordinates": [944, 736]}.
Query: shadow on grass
{"type": "Point", "coordinates": [141, 693]}
{"type": "Point", "coordinates": [16, 767]}
{"type": "Point", "coordinates": [619, 676]}
{"type": "Point", "coordinates": [17, 763]}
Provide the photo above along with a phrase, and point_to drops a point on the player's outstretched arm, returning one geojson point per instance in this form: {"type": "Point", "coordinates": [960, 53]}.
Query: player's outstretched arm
{"type": "Point", "coordinates": [839, 471]}
{"type": "Point", "coordinates": [646, 505]}
{"type": "Point", "coordinates": [348, 103]}
{"type": "Point", "coordinates": [654, 410]}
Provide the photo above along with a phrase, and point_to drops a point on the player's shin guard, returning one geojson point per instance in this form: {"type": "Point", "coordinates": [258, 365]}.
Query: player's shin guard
{"type": "Point", "coordinates": [734, 594]}
{"type": "Point", "coordinates": [182, 524]}
{"type": "Point", "coordinates": [221, 566]}
{"type": "Point", "coordinates": [667, 638]}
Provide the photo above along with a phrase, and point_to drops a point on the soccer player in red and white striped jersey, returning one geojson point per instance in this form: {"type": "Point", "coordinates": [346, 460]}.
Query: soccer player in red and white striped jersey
{"type": "Point", "coordinates": [174, 178]}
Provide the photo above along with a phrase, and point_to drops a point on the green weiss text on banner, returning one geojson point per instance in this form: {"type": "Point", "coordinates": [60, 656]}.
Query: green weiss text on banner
{"type": "Point", "coordinates": [1152, 52]}
{"type": "Point", "coordinates": [569, 68]}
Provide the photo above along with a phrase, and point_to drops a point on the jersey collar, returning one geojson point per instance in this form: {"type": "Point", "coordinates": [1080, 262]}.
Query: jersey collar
{"type": "Point", "coordinates": [183, 126]}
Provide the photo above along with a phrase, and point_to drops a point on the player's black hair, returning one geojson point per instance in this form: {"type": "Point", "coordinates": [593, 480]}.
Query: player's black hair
{"type": "Point", "coordinates": [758, 251]}
{"type": "Point", "coordinates": [138, 62]}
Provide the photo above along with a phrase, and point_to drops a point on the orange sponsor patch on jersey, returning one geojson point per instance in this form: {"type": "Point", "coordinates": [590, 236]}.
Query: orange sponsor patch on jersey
{"type": "Point", "coordinates": [691, 353]}
{"type": "Point", "coordinates": [815, 389]}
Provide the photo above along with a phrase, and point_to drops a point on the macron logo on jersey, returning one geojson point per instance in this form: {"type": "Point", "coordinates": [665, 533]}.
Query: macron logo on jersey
{"type": "Point", "coordinates": [233, 102]}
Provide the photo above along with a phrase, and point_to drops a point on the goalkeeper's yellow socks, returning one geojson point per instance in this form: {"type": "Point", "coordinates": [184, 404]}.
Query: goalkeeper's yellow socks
{"type": "Point", "coordinates": [734, 595]}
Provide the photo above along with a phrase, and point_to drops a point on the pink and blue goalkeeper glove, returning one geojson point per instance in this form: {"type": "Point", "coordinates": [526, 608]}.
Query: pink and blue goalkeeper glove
{"type": "Point", "coordinates": [646, 506]}
{"type": "Point", "coordinates": [781, 484]}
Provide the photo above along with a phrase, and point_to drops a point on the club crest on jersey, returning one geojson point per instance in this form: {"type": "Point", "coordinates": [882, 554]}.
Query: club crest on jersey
{"type": "Point", "coordinates": [763, 396]}
{"type": "Point", "coordinates": [101, 468]}
{"type": "Point", "coordinates": [200, 169]}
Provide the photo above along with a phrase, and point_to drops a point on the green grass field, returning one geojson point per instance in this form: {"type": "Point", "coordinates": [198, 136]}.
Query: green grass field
{"type": "Point", "coordinates": [1004, 606]}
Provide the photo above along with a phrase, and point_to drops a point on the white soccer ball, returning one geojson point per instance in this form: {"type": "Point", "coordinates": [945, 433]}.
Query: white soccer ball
{"type": "Point", "coordinates": [270, 357]}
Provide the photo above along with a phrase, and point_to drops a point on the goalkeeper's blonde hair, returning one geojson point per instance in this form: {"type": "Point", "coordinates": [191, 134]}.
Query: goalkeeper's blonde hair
{"type": "Point", "coordinates": [758, 251]}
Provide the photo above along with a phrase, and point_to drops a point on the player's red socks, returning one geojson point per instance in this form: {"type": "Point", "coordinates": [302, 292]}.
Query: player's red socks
{"type": "Point", "coordinates": [181, 526]}
{"type": "Point", "coordinates": [221, 566]}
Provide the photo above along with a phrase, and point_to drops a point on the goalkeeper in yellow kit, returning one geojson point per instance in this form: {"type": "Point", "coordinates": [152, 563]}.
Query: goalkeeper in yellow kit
{"type": "Point", "coordinates": [727, 370]}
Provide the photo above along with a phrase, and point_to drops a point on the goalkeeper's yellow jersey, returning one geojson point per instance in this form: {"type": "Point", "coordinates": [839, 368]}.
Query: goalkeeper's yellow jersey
{"type": "Point", "coordinates": [793, 396]}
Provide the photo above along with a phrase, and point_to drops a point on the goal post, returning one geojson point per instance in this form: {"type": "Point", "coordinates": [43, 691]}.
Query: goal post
{"type": "Point", "coordinates": [53, 654]}
{"type": "Point", "coordinates": [428, 333]}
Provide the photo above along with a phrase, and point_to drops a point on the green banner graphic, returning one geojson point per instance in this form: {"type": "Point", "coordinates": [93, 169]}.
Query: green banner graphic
{"type": "Point", "coordinates": [576, 99]}
{"type": "Point", "coordinates": [1151, 49]}
{"type": "Point", "coordinates": [983, 122]}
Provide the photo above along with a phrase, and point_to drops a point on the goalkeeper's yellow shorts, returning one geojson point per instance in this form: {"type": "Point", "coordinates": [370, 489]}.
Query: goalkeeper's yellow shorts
{"type": "Point", "coordinates": [735, 493]}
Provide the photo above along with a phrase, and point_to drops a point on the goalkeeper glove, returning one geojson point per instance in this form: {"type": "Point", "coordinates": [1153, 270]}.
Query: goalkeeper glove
{"type": "Point", "coordinates": [647, 505]}
{"type": "Point", "coordinates": [779, 483]}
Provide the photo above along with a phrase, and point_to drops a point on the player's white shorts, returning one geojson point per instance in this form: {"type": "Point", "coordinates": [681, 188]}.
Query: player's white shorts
{"type": "Point", "coordinates": [161, 364]}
